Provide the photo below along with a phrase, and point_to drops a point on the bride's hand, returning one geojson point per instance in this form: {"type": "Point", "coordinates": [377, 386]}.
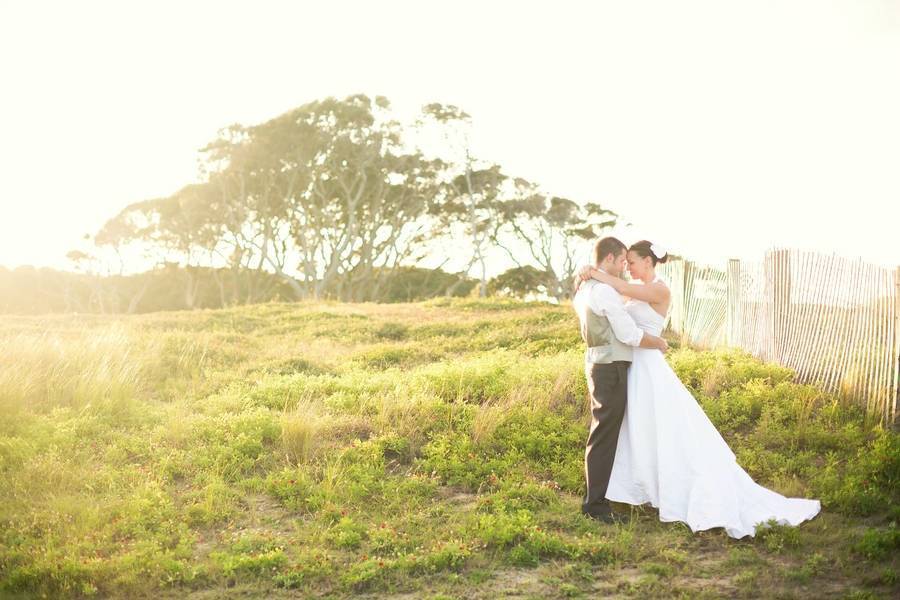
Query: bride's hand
{"type": "Point", "coordinates": [585, 272]}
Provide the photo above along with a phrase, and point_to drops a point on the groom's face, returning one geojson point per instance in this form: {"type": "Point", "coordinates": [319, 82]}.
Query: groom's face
{"type": "Point", "coordinates": [620, 263]}
{"type": "Point", "coordinates": [614, 264]}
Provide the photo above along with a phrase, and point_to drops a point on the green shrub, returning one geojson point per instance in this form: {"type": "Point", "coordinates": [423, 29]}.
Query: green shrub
{"type": "Point", "coordinates": [309, 567]}
{"type": "Point", "coordinates": [442, 556]}
{"type": "Point", "coordinates": [393, 331]}
{"type": "Point", "coordinates": [777, 538]}
{"type": "Point", "coordinates": [346, 533]}
{"type": "Point", "coordinates": [879, 544]}
{"type": "Point", "coordinates": [866, 481]}
{"type": "Point", "coordinates": [295, 490]}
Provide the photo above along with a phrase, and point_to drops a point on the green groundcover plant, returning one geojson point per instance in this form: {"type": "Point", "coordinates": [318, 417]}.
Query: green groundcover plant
{"type": "Point", "coordinates": [433, 448]}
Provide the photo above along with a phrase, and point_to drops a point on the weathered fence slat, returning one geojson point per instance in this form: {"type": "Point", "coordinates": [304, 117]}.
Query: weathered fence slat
{"type": "Point", "coordinates": [834, 321]}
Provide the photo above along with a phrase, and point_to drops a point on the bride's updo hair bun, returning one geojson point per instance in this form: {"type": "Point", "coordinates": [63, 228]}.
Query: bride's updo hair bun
{"type": "Point", "coordinates": [645, 248]}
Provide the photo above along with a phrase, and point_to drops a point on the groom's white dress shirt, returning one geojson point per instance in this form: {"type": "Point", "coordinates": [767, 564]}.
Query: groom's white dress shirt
{"type": "Point", "coordinates": [604, 300]}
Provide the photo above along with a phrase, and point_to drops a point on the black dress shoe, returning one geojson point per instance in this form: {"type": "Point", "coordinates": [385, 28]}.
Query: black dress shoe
{"type": "Point", "coordinates": [604, 517]}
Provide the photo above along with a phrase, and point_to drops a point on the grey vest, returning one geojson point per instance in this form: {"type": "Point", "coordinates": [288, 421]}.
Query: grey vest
{"type": "Point", "coordinates": [602, 344]}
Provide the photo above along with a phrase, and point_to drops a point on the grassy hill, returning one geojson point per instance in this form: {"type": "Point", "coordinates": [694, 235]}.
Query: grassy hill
{"type": "Point", "coordinates": [421, 450]}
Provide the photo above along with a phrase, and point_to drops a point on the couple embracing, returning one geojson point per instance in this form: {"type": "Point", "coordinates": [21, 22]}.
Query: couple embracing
{"type": "Point", "coordinates": [649, 440]}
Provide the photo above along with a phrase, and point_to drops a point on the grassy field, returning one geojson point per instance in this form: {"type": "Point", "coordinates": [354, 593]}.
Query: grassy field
{"type": "Point", "coordinates": [412, 450]}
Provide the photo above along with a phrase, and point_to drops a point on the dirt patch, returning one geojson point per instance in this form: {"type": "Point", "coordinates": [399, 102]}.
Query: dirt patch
{"type": "Point", "coordinates": [515, 583]}
{"type": "Point", "coordinates": [459, 498]}
{"type": "Point", "coordinates": [263, 515]}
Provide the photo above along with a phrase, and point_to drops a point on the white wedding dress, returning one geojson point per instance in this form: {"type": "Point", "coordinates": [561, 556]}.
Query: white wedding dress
{"type": "Point", "coordinates": [671, 455]}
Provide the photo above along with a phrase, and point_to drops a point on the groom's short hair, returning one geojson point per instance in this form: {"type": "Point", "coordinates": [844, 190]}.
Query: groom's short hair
{"type": "Point", "coordinates": [606, 246]}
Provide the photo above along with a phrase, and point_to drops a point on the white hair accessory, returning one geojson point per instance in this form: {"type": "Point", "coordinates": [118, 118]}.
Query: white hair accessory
{"type": "Point", "coordinates": [658, 251]}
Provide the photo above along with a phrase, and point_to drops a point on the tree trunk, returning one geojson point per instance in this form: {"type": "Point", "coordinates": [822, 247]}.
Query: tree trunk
{"type": "Point", "coordinates": [136, 299]}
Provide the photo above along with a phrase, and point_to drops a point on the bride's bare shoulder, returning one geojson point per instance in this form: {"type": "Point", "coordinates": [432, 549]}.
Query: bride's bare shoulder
{"type": "Point", "coordinates": [661, 284]}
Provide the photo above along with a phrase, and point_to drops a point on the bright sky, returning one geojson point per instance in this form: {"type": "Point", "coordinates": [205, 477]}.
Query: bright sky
{"type": "Point", "coordinates": [718, 128]}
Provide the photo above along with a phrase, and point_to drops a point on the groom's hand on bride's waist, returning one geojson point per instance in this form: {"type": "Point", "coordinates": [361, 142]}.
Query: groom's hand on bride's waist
{"type": "Point", "coordinates": [652, 342]}
{"type": "Point", "coordinates": [662, 345]}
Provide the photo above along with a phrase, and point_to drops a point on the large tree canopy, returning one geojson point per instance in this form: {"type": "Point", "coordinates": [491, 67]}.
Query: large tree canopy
{"type": "Point", "coordinates": [335, 196]}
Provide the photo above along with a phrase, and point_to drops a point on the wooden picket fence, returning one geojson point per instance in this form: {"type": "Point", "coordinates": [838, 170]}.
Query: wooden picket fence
{"type": "Point", "coordinates": [834, 321]}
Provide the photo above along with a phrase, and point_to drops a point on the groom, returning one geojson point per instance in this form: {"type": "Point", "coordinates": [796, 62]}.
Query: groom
{"type": "Point", "coordinates": [610, 333]}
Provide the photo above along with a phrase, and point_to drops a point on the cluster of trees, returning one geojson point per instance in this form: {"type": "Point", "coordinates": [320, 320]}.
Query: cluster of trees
{"type": "Point", "coordinates": [27, 290]}
{"type": "Point", "coordinates": [337, 199]}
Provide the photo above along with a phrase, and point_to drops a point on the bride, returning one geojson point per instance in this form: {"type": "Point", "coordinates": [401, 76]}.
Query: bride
{"type": "Point", "coordinates": [669, 453]}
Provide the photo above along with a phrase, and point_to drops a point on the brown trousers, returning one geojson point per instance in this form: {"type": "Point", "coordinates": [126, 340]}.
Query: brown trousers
{"type": "Point", "coordinates": [607, 387]}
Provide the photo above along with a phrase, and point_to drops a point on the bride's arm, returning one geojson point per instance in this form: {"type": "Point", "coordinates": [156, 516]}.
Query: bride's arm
{"type": "Point", "coordinates": [649, 292]}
